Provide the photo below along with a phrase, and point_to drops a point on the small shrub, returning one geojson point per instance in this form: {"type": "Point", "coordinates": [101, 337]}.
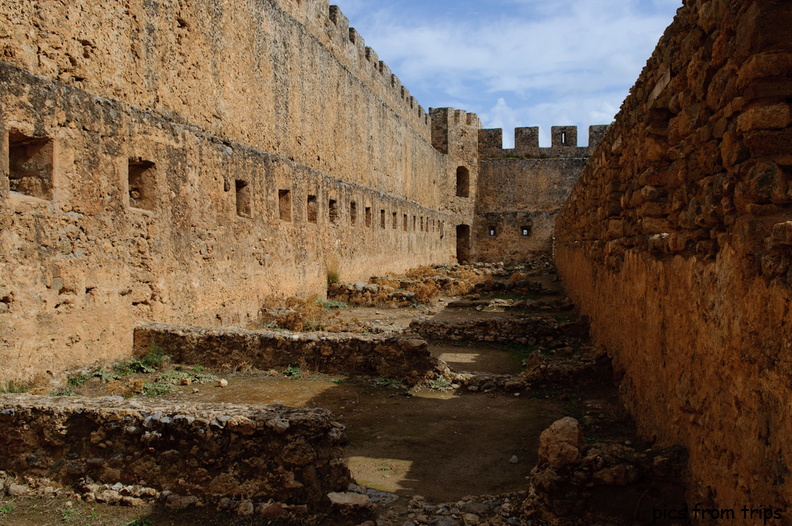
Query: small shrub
{"type": "Point", "coordinates": [440, 383]}
{"type": "Point", "coordinates": [15, 387]}
{"type": "Point", "coordinates": [157, 388]}
{"type": "Point", "coordinates": [333, 277]}
{"type": "Point", "coordinates": [155, 358]}
{"type": "Point", "coordinates": [292, 371]}
{"type": "Point", "coordinates": [78, 380]}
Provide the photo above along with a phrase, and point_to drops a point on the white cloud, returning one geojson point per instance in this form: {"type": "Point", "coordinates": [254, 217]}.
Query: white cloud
{"type": "Point", "coordinates": [536, 62]}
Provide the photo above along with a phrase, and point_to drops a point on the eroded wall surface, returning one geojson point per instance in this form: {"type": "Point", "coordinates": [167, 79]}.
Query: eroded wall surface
{"type": "Point", "coordinates": [521, 189]}
{"type": "Point", "coordinates": [677, 243]}
{"type": "Point", "coordinates": [178, 162]}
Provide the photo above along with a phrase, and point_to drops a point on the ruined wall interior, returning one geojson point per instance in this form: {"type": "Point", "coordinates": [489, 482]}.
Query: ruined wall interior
{"type": "Point", "coordinates": [677, 242]}
{"type": "Point", "coordinates": [178, 163]}
{"type": "Point", "coordinates": [521, 189]}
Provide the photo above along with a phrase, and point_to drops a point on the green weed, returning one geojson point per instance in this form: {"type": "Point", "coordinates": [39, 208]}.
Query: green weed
{"type": "Point", "coordinates": [440, 383]}
{"type": "Point", "coordinates": [65, 391]}
{"type": "Point", "coordinates": [78, 380]}
{"type": "Point", "coordinates": [388, 383]}
{"type": "Point", "coordinates": [292, 371]}
{"type": "Point", "coordinates": [14, 387]}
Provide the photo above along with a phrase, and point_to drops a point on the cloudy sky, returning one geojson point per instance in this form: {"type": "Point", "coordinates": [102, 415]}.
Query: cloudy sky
{"type": "Point", "coordinates": [516, 62]}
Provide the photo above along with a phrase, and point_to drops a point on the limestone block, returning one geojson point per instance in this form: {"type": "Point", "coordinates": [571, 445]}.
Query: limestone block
{"type": "Point", "coordinates": [561, 443]}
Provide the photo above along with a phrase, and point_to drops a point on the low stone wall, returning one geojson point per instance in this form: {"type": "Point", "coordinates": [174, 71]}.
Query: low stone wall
{"type": "Point", "coordinates": [407, 359]}
{"type": "Point", "coordinates": [524, 330]}
{"type": "Point", "coordinates": [205, 451]}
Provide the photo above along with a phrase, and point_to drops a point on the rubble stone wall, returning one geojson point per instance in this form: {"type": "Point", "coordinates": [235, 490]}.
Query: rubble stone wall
{"type": "Point", "coordinates": [400, 357]}
{"type": "Point", "coordinates": [205, 451]}
{"type": "Point", "coordinates": [677, 243]}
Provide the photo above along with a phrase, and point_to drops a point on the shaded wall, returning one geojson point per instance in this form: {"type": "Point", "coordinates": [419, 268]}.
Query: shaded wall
{"type": "Point", "coordinates": [677, 243]}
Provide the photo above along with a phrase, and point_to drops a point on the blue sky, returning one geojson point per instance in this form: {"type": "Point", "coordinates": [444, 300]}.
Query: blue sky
{"type": "Point", "coordinates": [516, 62]}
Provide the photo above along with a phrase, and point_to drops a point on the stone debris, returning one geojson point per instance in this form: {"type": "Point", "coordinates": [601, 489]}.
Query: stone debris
{"type": "Point", "coordinates": [561, 443]}
{"type": "Point", "coordinates": [571, 478]}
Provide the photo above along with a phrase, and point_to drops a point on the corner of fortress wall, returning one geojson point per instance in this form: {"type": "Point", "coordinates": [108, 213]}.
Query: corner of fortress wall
{"type": "Point", "coordinates": [522, 189]}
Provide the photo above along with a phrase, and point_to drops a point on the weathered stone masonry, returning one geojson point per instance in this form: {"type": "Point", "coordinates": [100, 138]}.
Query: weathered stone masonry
{"type": "Point", "coordinates": [205, 451]}
{"type": "Point", "coordinates": [677, 243]}
{"type": "Point", "coordinates": [179, 165]}
{"type": "Point", "coordinates": [521, 189]}
{"type": "Point", "coordinates": [179, 162]}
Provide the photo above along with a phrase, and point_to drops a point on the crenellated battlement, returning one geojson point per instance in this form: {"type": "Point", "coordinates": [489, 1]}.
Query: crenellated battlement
{"type": "Point", "coordinates": [364, 61]}
{"type": "Point", "coordinates": [526, 142]}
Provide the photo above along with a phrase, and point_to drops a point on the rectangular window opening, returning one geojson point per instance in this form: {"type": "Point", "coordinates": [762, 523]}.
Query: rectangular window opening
{"type": "Point", "coordinates": [491, 231]}
{"type": "Point", "coordinates": [243, 207]}
{"type": "Point", "coordinates": [382, 218]}
{"type": "Point", "coordinates": [463, 182]}
{"type": "Point", "coordinates": [404, 222]}
{"type": "Point", "coordinates": [142, 181]}
{"type": "Point", "coordinates": [312, 208]}
{"type": "Point", "coordinates": [30, 165]}
{"type": "Point", "coordinates": [285, 205]}
{"type": "Point", "coordinates": [332, 210]}
{"type": "Point", "coordinates": [395, 220]}
{"type": "Point", "coordinates": [525, 230]}
{"type": "Point", "coordinates": [414, 223]}
{"type": "Point", "coordinates": [368, 216]}
{"type": "Point", "coordinates": [353, 212]}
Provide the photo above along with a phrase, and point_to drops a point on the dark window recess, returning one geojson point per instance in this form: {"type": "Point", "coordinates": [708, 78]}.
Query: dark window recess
{"type": "Point", "coordinates": [312, 208]}
{"type": "Point", "coordinates": [525, 230]}
{"type": "Point", "coordinates": [462, 182]}
{"type": "Point", "coordinates": [285, 205]}
{"type": "Point", "coordinates": [142, 182]}
{"type": "Point", "coordinates": [30, 165]}
{"type": "Point", "coordinates": [353, 212]}
{"type": "Point", "coordinates": [243, 208]}
{"type": "Point", "coordinates": [368, 216]}
{"type": "Point", "coordinates": [382, 218]}
{"type": "Point", "coordinates": [404, 222]}
{"type": "Point", "coordinates": [395, 220]}
{"type": "Point", "coordinates": [492, 231]}
{"type": "Point", "coordinates": [332, 210]}
{"type": "Point", "coordinates": [463, 243]}
{"type": "Point", "coordinates": [415, 221]}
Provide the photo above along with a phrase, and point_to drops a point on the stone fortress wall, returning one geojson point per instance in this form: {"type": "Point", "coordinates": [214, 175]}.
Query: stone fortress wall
{"type": "Point", "coordinates": [177, 162]}
{"type": "Point", "coordinates": [677, 243]}
{"type": "Point", "coordinates": [521, 189]}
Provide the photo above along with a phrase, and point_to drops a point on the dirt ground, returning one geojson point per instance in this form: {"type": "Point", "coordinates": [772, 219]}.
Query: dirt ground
{"type": "Point", "coordinates": [443, 443]}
